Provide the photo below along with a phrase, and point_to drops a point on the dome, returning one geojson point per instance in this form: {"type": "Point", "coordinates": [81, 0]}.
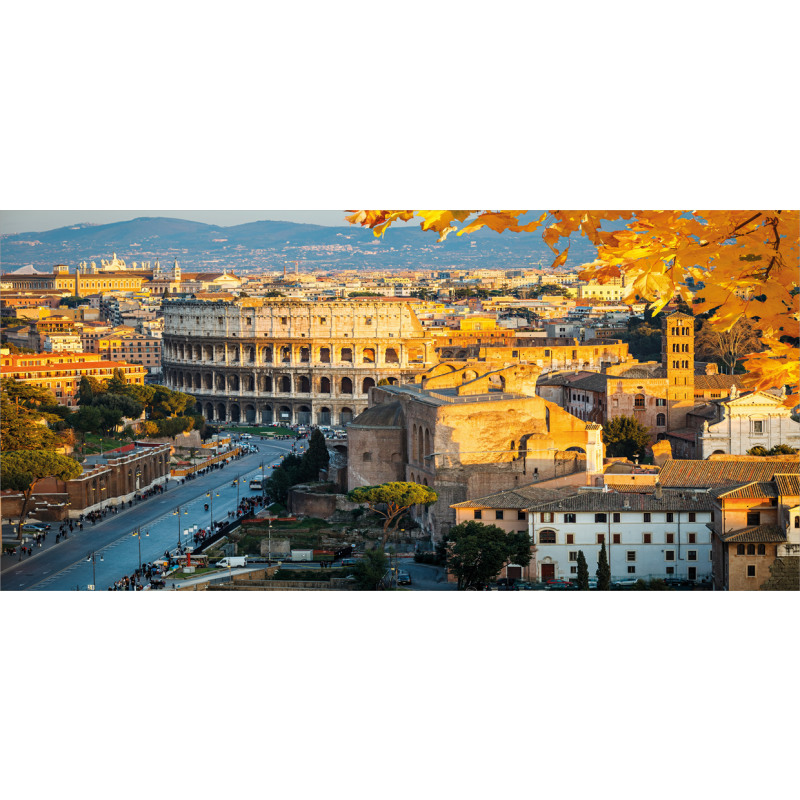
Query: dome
{"type": "Point", "coordinates": [384, 415]}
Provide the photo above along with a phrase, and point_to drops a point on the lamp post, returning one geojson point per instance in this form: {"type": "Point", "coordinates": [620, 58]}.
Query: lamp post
{"type": "Point", "coordinates": [178, 512]}
{"type": "Point", "coordinates": [138, 534]}
{"type": "Point", "coordinates": [93, 557]}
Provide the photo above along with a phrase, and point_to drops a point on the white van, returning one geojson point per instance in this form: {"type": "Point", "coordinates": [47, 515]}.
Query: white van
{"type": "Point", "coordinates": [233, 561]}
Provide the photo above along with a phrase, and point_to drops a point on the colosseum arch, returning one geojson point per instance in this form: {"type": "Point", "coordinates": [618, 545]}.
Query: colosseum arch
{"type": "Point", "coordinates": [221, 412]}
{"type": "Point", "coordinates": [219, 353]}
{"type": "Point", "coordinates": [285, 354]}
{"type": "Point", "coordinates": [197, 380]}
{"type": "Point", "coordinates": [346, 354]}
{"type": "Point", "coordinates": [234, 353]}
{"type": "Point", "coordinates": [266, 383]}
{"type": "Point", "coordinates": [285, 414]}
{"type": "Point", "coordinates": [285, 384]}
{"type": "Point", "coordinates": [305, 354]}
{"type": "Point", "coordinates": [250, 413]}
{"type": "Point", "coordinates": [347, 386]}
{"type": "Point", "coordinates": [367, 384]}
{"type": "Point", "coordinates": [219, 381]}
{"type": "Point", "coordinates": [236, 413]}
{"type": "Point", "coordinates": [346, 416]}
{"type": "Point", "coordinates": [197, 353]}
{"type": "Point", "coordinates": [304, 415]}
{"type": "Point", "coordinates": [251, 354]}
{"type": "Point", "coordinates": [304, 384]}
{"type": "Point", "coordinates": [208, 352]}
{"type": "Point", "coordinates": [266, 355]}
{"type": "Point", "coordinates": [325, 355]}
{"type": "Point", "coordinates": [208, 381]}
{"type": "Point", "coordinates": [209, 411]}
{"type": "Point", "coordinates": [368, 355]}
{"type": "Point", "coordinates": [249, 383]}
{"type": "Point", "coordinates": [266, 415]}
{"type": "Point", "coordinates": [324, 385]}
{"type": "Point", "coordinates": [233, 383]}
{"type": "Point", "coordinates": [324, 416]}
{"type": "Point", "coordinates": [390, 357]}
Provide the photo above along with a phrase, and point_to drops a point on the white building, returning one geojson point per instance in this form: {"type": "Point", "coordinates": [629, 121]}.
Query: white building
{"type": "Point", "coordinates": [62, 343]}
{"type": "Point", "coordinates": [748, 420]}
{"type": "Point", "coordinates": [656, 534]}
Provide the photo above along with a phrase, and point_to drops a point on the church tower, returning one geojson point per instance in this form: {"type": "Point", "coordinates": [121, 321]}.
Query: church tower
{"type": "Point", "coordinates": [677, 358]}
{"type": "Point", "coordinates": [176, 271]}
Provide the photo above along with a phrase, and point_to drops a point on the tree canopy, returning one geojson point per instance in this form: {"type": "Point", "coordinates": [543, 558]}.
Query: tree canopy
{"type": "Point", "coordinates": [478, 552]}
{"type": "Point", "coordinates": [625, 436]}
{"type": "Point", "coordinates": [730, 264]}
{"type": "Point", "coordinates": [391, 500]}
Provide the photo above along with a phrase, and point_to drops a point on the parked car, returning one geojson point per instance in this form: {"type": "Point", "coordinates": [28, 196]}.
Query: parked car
{"type": "Point", "coordinates": [348, 562]}
{"type": "Point", "coordinates": [403, 579]}
{"type": "Point", "coordinates": [520, 585]}
{"type": "Point", "coordinates": [557, 583]}
{"type": "Point", "coordinates": [35, 527]}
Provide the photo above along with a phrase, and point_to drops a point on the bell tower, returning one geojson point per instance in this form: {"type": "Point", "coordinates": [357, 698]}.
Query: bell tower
{"type": "Point", "coordinates": [677, 358]}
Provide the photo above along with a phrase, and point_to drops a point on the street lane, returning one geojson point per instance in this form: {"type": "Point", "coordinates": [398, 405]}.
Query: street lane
{"type": "Point", "coordinates": [64, 566]}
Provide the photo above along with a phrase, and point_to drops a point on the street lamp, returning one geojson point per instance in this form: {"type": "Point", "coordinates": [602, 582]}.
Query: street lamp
{"type": "Point", "coordinates": [138, 534]}
{"type": "Point", "coordinates": [177, 512]}
{"type": "Point", "coordinates": [92, 557]}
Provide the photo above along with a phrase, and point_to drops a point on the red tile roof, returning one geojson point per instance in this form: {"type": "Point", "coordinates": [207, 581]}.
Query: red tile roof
{"type": "Point", "coordinates": [722, 472]}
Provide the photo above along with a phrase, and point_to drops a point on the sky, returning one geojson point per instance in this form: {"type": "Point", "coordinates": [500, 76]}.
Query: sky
{"type": "Point", "coordinates": [25, 221]}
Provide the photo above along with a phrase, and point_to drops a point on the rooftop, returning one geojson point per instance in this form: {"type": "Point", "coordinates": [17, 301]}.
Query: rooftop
{"type": "Point", "coordinates": [755, 533]}
{"type": "Point", "coordinates": [723, 472]}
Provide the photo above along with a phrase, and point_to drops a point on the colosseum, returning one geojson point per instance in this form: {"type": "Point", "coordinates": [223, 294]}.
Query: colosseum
{"type": "Point", "coordinates": [260, 360]}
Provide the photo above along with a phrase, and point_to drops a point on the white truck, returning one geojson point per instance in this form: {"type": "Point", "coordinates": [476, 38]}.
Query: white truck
{"type": "Point", "coordinates": [302, 555]}
{"type": "Point", "coordinates": [233, 561]}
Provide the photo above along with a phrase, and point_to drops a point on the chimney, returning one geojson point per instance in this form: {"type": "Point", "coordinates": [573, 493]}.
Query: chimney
{"type": "Point", "coordinates": [659, 493]}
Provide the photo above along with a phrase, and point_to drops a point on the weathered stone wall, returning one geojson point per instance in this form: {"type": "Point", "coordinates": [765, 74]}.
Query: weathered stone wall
{"type": "Point", "coordinates": [311, 504]}
{"type": "Point", "coordinates": [784, 575]}
{"type": "Point", "coordinates": [378, 455]}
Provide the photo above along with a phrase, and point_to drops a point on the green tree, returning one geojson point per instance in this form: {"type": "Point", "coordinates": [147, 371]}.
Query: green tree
{"type": "Point", "coordinates": [477, 552]}
{"type": "Point", "coordinates": [23, 469]}
{"type": "Point", "coordinates": [117, 383]}
{"type": "Point", "coordinates": [87, 419]}
{"type": "Point", "coordinates": [27, 394]}
{"type": "Point", "coordinates": [316, 457]}
{"type": "Point", "coordinates": [370, 570]}
{"type": "Point", "coordinates": [289, 473]}
{"type": "Point", "coordinates": [583, 571]}
{"type": "Point", "coordinates": [777, 450]}
{"type": "Point", "coordinates": [625, 436]}
{"type": "Point", "coordinates": [603, 570]}
{"type": "Point", "coordinates": [88, 389]}
{"type": "Point", "coordinates": [392, 500]}
{"type": "Point", "coordinates": [22, 429]}
{"type": "Point", "coordinates": [363, 294]}
{"type": "Point", "coordinates": [72, 301]}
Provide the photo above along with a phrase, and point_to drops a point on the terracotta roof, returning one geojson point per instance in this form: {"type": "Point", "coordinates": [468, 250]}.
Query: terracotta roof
{"type": "Point", "coordinates": [637, 372]}
{"type": "Point", "coordinates": [630, 501]}
{"type": "Point", "coordinates": [787, 485]}
{"type": "Point", "coordinates": [519, 498]}
{"type": "Point", "coordinates": [687, 434]}
{"type": "Point", "coordinates": [755, 533]}
{"type": "Point", "coordinates": [723, 472]}
{"type": "Point", "coordinates": [753, 489]}
{"type": "Point", "coordinates": [718, 382]}
{"type": "Point", "coordinates": [592, 383]}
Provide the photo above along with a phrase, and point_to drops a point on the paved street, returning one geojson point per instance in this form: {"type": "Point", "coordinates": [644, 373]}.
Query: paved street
{"type": "Point", "coordinates": [63, 566]}
{"type": "Point", "coordinates": [425, 577]}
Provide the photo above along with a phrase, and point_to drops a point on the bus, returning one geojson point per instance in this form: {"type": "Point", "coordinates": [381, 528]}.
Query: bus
{"type": "Point", "coordinates": [255, 484]}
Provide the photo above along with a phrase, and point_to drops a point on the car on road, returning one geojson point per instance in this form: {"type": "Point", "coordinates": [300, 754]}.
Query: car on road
{"type": "Point", "coordinates": [35, 527]}
{"type": "Point", "coordinates": [403, 579]}
{"type": "Point", "coordinates": [348, 562]}
{"type": "Point", "coordinates": [557, 583]}
{"type": "Point", "coordinates": [522, 585]}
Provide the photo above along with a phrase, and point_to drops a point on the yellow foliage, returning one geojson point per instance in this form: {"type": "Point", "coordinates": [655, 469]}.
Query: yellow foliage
{"type": "Point", "coordinates": [745, 261]}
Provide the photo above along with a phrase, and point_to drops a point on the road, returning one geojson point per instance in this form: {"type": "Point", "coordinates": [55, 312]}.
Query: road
{"type": "Point", "coordinates": [64, 566]}
{"type": "Point", "coordinates": [425, 577]}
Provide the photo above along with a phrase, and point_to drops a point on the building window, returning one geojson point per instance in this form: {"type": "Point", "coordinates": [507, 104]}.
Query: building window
{"type": "Point", "coordinates": [751, 570]}
{"type": "Point", "coordinates": [573, 555]}
{"type": "Point", "coordinates": [692, 573]}
{"type": "Point", "coordinates": [647, 538]}
{"type": "Point", "coordinates": [691, 555]}
{"type": "Point", "coordinates": [498, 514]}
{"type": "Point", "coordinates": [547, 537]}
{"type": "Point", "coordinates": [600, 518]}
{"type": "Point", "coordinates": [573, 570]}
{"type": "Point", "coordinates": [670, 516]}
{"type": "Point", "coordinates": [669, 555]}
{"type": "Point", "coordinates": [647, 516]}
{"type": "Point", "coordinates": [739, 549]}
{"type": "Point", "coordinates": [571, 518]}
{"type": "Point", "coordinates": [762, 550]}
{"type": "Point", "coordinates": [661, 420]}
{"type": "Point", "coordinates": [478, 514]}
{"type": "Point", "coordinates": [366, 457]}
{"type": "Point", "coordinates": [670, 570]}
{"type": "Point", "coordinates": [601, 538]}
{"type": "Point", "coordinates": [631, 570]}
{"type": "Point", "coordinates": [758, 426]}
{"type": "Point", "coordinates": [630, 555]}
{"type": "Point", "coordinates": [753, 517]}
{"type": "Point", "coordinates": [615, 538]}
{"type": "Point", "coordinates": [639, 401]}
{"type": "Point", "coordinates": [615, 517]}
{"type": "Point", "coordinates": [521, 515]}
{"type": "Point", "coordinates": [570, 538]}
{"type": "Point", "coordinates": [692, 538]}
{"type": "Point", "coordinates": [692, 516]}
{"type": "Point", "coordinates": [670, 538]}
{"type": "Point", "coordinates": [751, 549]}
{"type": "Point", "coordinates": [547, 516]}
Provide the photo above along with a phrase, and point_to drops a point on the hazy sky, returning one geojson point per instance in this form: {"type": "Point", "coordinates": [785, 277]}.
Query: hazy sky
{"type": "Point", "coordinates": [24, 221]}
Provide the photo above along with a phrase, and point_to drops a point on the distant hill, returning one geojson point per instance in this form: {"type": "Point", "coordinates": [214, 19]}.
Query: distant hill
{"type": "Point", "coordinates": [271, 242]}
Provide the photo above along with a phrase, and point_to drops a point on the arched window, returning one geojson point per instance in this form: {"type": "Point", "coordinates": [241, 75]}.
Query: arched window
{"type": "Point", "coordinates": [285, 385]}
{"type": "Point", "coordinates": [347, 354]}
{"type": "Point", "coordinates": [325, 385]}
{"type": "Point", "coordinates": [547, 537]}
{"type": "Point", "coordinates": [415, 452]}
{"type": "Point", "coordinates": [420, 444]}
{"type": "Point", "coordinates": [305, 355]}
{"type": "Point", "coordinates": [427, 442]}
{"type": "Point", "coordinates": [286, 354]}
{"type": "Point", "coordinates": [325, 355]}
{"type": "Point", "coordinates": [762, 549]}
{"type": "Point", "coordinates": [751, 549]}
{"type": "Point", "coordinates": [366, 384]}
{"type": "Point", "coordinates": [305, 384]}
{"type": "Point", "coordinates": [391, 356]}
{"type": "Point", "coordinates": [368, 356]}
{"type": "Point", "coordinates": [347, 386]}
{"type": "Point", "coordinates": [661, 419]}
{"type": "Point", "coordinates": [638, 401]}
{"type": "Point", "coordinates": [266, 355]}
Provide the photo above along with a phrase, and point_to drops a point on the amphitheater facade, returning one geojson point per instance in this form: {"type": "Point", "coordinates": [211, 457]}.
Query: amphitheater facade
{"type": "Point", "coordinates": [260, 360]}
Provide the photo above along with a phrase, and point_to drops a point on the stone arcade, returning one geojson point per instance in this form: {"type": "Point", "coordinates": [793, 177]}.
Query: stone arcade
{"type": "Point", "coordinates": [263, 361]}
